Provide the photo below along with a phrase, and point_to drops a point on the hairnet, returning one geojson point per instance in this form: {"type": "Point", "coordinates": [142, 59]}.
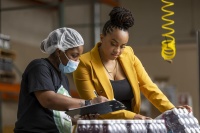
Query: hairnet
{"type": "Point", "coordinates": [63, 39]}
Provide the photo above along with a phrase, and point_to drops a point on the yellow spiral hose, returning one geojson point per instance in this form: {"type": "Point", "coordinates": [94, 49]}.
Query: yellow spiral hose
{"type": "Point", "coordinates": [168, 45]}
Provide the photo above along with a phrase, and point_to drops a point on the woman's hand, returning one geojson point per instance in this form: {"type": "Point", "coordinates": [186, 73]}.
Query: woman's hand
{"type": "Point", "coordinates": [185, 106]}
{"type": "Point", "coordinates": [99, 99]}
{"type": "Point", "coordinates": [141, 117]}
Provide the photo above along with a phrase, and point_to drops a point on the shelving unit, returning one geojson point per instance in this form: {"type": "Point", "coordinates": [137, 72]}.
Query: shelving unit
{"type": "Point", "coordinates": [8, 92]}
{"type": "Point", "coordinates": [6, 60]}
{"type": "Point", "coordinates": [8, 89]}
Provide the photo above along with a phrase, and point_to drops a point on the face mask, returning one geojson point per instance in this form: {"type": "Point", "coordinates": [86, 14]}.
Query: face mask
{"type": "Point", "coordinates": [70, 67]}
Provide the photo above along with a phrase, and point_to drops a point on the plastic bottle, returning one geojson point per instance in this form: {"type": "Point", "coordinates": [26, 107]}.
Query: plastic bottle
{"type": "Point", "coordinates": [107, 126]}
{"type": "Point", "coordinates": [158, 124]}
{"type": "Point", "coordinates": [100, 123]}
{"type": "Point", "coordinates": [164, 128]}
{"type": "Point", "coordinates": [115, 126]}
{"type": "Point", "coordinates": [137, 125]}
{"type": "Point", "coordinates": [94, 127]}
{"type": "Point", "coordinates": [81, 126]}
{"type": "Point", "coordinates": [150, 128]}
{"type": "Point", "coordinates": [123, 126]}
{"type": "Point", "coordinates": [128, 126]}
{"type": "Point", "coordinates": [132, 128]}
{"type": "Point", "coordinates": [144, 129]}
{"type": "Point", "coordinates": [155, 125]}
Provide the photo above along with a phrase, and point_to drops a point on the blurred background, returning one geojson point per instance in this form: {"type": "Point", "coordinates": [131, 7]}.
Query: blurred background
{"type": "Point", "coordinates": [25, 23]}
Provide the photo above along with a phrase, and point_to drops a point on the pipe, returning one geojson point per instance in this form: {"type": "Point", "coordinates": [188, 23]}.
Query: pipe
{"type": "Point", "coordinates": [198, 45]}
{"type": "Point", "coordinates": [61, 13]}
{"type": "Point", "coordinates": [0, 17]}
{"type": "Point", "coordinates": [96, 22]}
{"type": "Point", "coordinates": [29, 7]}
{"type": "Point", "coordinates": [1, 121]}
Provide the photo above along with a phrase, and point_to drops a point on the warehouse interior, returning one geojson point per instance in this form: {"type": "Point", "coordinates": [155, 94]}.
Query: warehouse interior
{"type": "Point", "coordinates": [25, 23]}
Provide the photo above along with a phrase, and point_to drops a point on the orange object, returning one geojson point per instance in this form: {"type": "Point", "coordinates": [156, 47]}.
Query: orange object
{"type": "Point", "coordinates": [74, 93]}
{"type": "Point", "coordinates": [9, 91]}
{"type": "Point", "coordinates": [110, 2]}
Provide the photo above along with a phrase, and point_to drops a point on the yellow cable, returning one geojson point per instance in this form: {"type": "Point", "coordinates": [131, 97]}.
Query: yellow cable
{"type": "Point", "coordinates": [168, 45]}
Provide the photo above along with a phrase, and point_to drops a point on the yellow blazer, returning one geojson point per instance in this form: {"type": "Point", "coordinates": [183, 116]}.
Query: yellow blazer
{"type": "Point", "coordinates": [90, 75]}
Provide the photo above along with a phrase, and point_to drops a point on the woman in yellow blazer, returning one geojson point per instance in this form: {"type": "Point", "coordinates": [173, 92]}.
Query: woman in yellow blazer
{"type": "Point", "coordinates": [113, 70]}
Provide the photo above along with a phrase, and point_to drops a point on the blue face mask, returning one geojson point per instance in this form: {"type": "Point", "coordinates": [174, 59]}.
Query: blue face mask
{"type": "Point", "coordinates": [70, 67]}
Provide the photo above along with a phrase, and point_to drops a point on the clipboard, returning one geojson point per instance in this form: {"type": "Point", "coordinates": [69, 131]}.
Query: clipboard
{"type": "Point", "coordinates": [100, 108]}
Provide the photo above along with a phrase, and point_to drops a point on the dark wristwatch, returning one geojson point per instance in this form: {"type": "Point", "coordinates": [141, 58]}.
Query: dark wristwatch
{"type": "Point", "coordinates": [87, 102]}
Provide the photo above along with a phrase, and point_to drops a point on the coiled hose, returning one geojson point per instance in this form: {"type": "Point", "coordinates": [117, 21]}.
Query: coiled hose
{"type": "Point", "coordinates": [168, 44]}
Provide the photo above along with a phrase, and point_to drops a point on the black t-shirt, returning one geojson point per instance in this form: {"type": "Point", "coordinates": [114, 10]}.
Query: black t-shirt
{"type": "Point", "coordinates": [123, 92]}
{"type": "Point", "coordinates": [32, 117]}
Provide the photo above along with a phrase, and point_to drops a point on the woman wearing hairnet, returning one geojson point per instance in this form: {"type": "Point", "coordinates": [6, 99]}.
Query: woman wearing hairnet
{"type": "Point", "coordinates": [44, 96]}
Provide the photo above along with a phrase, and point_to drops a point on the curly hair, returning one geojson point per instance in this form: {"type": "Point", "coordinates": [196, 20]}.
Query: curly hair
{"type": "Point", "coordinates": [121, 18]}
